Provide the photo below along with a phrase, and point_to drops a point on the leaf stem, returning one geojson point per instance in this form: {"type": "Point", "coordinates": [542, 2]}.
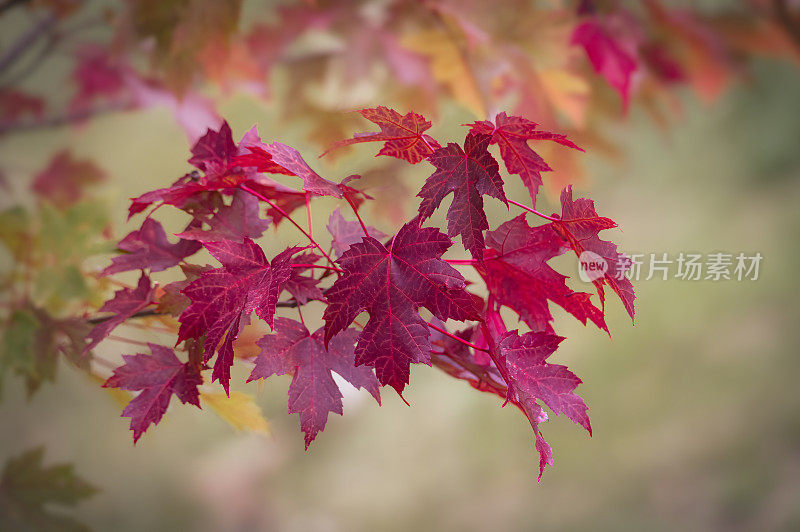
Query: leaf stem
{"type": "Point", "coordinates": [286, 215]}
{"type": "Point", "coordinates": [308, 215]}
{"type": "Point", "coordinates": [355, 211]}
{"type": "Point", "coordinates": [126, 340]}
{"type": "Point", "coordinates": [321, 266]}
{"type": "Point", "coordinates": [454, 337]}
{"type": "Point", "coordinates": [534, 211]}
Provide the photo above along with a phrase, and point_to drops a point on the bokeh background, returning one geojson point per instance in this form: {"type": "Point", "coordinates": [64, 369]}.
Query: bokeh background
{"type": "Point", "coordinates": [694, 409]}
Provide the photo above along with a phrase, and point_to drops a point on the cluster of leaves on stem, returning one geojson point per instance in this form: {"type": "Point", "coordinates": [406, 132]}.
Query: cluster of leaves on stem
{"type": "Point", "coordinates": [410, 293]}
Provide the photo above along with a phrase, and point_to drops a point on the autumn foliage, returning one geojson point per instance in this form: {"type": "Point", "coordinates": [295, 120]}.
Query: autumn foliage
{"type": "Point", "coordinates": [403, 282]}
{"type": "Point", "coordinates": [541, 83]}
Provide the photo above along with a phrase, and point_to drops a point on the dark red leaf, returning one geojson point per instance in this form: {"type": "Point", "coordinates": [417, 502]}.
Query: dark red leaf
{"type": "Point", "coordinates": [346, 233]}
{"type": "Point", "coordinates": [517, 274]}
{"type": "Point", "coordinates": [214, 151]}
{"type": "Point", "coordinates": [256, 157]}
{"type": "Point", "coordinates": [579, 226]}
{"type": "Point", "coordinates": [313, 393]}
{"type": "Point", "coordinates": [511, 134]}
{"type": "Point", "coordinates": [148, 248]}
{"type": "Point", "coordinates": [611, 52]}
{"type": "Point", "coordinates": [97, 75]}
{"type": "Point", "coordinates": [124, 304]}
{"type": "Point", "coordinates": [304, 287]}
{"type": "Point", "coordinates": [158, 376]}
{"type": "Point", "coordinates": [236, 221]}
{"type": "Point", "coordinates": [246, 282]}
{"type": "Point", "coordinates": [532, 379]}
{"type": "Point", "coordinates": [468, 173]}
{"type": "Point", "coordinates": [289, 158]}
{"type": "Point", "coordinates": [391, 284]}
{"type": "Point", "coordinates": [63, 182]}
{"type": "Point", "coordinates": [403, 135]}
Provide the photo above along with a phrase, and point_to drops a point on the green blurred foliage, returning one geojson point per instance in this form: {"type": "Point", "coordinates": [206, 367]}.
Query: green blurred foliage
{"type": "Point", "coordinates": [28, 490]}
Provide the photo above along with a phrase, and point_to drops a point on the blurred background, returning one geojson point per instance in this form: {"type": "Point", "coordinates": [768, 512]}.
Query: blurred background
{"type": "Point", "coordinates": [694, 408]}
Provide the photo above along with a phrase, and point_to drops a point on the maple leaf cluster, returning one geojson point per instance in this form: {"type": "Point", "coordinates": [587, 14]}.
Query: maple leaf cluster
{"type": "Point", "coordinates": [410, 293]}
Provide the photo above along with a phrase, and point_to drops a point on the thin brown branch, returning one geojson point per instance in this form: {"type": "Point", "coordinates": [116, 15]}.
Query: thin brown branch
{"type": "Point", "coordinates": [789, 23]}
{"type": "Point", "coordinates": [66, 118]}
{"type": "Point", "coordinates": [25, 41]}
{"type": "Point", "coordinates": [152, 313]}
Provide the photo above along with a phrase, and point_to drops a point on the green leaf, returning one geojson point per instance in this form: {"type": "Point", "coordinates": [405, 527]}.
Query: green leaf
{"type": "Point", "coordinates": [28, 490]}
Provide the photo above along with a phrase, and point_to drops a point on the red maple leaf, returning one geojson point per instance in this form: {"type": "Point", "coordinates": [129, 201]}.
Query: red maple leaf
{"type": "Point", "coordinates": [15, 104]}
{"type": "Point", "coordinates": [236, 221]}
{"type": "Point", "coordinates": [214, 155]}
{"type": "Point", "coordinates": [62, 183]}
{"type": "Point", "coordinates": [290, 159]}
{"type": "Point", "coordinates": [313, 393]}
{"type": "Point", "coordinates": [468, 173]}
{"type": "Point", "coordinates": [158, 376]}
{"type": "Point", "coordinates": [511, 134]}
{"type": "Point", "coordinates": [257, 157]}
{"type": "Point", "coordinates": [516, 272]}
{"type": "Point", "coordinates": [391, 284]}
{"type": "Point", "coordinates": [214, 151]}
{"type": "Point", "coordinates": [246, 282]}
{"type": "Point", "coordinates": [148, 248]}
{"type": "Point", "coordinates": [124, 304]}
{"type": "Point", "coordinates": [97, 75]}
{"type": "Point", "coordinates": [403, 135]}
{"type": "Point", "coordinates": [178, 194]}
{"type": "Point", "coordinates": [612, 50]}
{"type": "Point", "coordinates": [252, 155]}
{"type": "Point", "coordinates": [579, 226]}
{"type": "Point", "coordinates": [345, 233]}
{"type": "Point", "coordinates": [531, 378]}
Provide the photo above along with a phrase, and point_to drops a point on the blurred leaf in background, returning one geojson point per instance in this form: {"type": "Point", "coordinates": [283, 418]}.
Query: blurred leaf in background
{"type": "Point", "coordinates": [34, 497]}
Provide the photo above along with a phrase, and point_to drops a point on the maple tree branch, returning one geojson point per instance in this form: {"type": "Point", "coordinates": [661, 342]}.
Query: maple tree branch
{"type": "Point", "coordinates": [126, 340]}
{"type": "Point", "coordinates": [69, 117]}
{"type": "Point", "coordinates": [153, 313]}
{"type": "Point", "coordinates": [103, 362]}
{"type": "Point", "coordinates": [8, 4]}
{"type": "Point", "coordinates": [454, 337]}
{"type": "Point", "coordinates": [25, 41]}
{"type": "Point", "coordinates": [785, 19]}
{"type": "Point", "coordinates": [140, 314]}
{"type": "Point", "coordinates": [286, 215]}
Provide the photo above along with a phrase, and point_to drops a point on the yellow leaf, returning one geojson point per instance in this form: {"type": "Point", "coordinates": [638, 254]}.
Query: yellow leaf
{"type": "Point", "coordinates": [448, 66]}
{"type": "Point", "coordinates": [240, 410]}
{"type": "Point", "coordinates": [568, 92]}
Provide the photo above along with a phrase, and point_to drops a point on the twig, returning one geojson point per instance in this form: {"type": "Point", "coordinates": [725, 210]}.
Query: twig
{"type": "Point", "coordinates": [286, 215]}
{"type": "Point", "coordinates": [68, 117]}
{"type": "Point", "coordinates": [26, 40]}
